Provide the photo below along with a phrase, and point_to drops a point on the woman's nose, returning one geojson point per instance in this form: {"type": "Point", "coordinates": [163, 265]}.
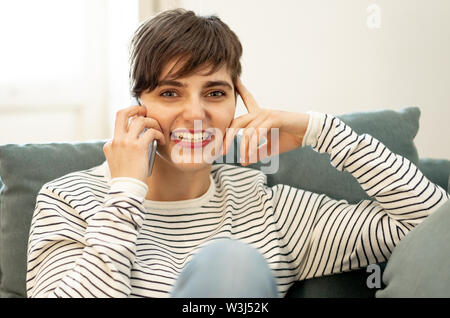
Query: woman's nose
{"type": "Point", "coordinates": [194, 109]}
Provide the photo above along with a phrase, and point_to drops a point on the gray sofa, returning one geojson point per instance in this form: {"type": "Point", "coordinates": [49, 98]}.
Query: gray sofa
{"type": "Point", "coordinates": [418, 267]}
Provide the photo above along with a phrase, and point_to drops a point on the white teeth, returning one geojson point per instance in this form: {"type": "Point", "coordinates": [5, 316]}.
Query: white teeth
{"type": "Point", "coordinates": [191, 137]}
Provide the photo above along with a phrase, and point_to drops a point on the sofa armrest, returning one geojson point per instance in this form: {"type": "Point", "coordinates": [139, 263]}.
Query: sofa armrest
{"type": "Point", "coordinates": [420, 264]}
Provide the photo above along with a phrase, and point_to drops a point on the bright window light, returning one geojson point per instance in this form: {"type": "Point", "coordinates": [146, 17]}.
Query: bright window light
{"type": "Point", "coordinates": [41, 41]}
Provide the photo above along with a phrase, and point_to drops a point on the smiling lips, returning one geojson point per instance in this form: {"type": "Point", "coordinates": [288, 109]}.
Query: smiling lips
{"type": "Point", "coordinates": [191, 135]}
{"type": "Point", "coordinates": [192, 139]}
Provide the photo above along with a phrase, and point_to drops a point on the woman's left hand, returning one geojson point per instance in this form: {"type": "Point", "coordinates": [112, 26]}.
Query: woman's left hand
{"type": "Point", "coordinates": [291, 129]}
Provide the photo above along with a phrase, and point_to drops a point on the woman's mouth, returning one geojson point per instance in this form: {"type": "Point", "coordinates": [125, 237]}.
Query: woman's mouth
{"type": "Point", "coordinates": [191, 139]}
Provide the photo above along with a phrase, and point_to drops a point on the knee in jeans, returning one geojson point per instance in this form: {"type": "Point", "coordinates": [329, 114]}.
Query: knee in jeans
{"type": "Point", "coordinates": [227, 268]}
{"type": "Point", "coordinates": [229, 255]}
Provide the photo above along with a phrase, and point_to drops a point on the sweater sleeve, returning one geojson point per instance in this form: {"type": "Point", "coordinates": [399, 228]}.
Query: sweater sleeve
{"type": "Point", "coordinates": [324, 236]}
{"type": "Point", "coordinates": [70, 255]}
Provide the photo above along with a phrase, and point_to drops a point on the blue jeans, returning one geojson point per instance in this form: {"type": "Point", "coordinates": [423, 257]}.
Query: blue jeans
{"type": "Point", "coordinates": [226, 268]}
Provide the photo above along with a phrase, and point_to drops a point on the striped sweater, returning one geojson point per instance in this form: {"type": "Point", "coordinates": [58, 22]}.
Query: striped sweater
{"type": "Point", "coordinates": [93, 236]}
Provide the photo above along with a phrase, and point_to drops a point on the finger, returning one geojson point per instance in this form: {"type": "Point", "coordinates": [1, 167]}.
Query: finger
{"type": "Point", "coordinates": [107, 147]}
{"type": "Point", "coordinates": [231, 132]}
{"type": "Point", "coordinates": [227, 141]}
{"type": "Point", "coordinates": [245, 143]}
{"type": "Point", "coordinates": [248, 99]}
{"type": "Point", "coordinates": [257, 148]}
{"type": "Point", "coordinates": [140, 123]}
{"type": "Point", "coordinates": [141, 112]}
{"type": "Point", "coordinates": [151, 134]}
{"type": "Point", "coordinates": [243, 120]}
{"type": "Point", "coordinates": [252, 156]}
{"type": "Point", "coordinates": [264, 150]}
{"type": "Point", "coordinates": [239, 122]}
{"type": "Point", "coordinates": [273, 144]}
{"type": "Point", "coordinates": [122, 118]}
{"type": "Point", "coordinates": [255, 138]}
{"type": "Point", "coordinates": [259, 124]}
{"type": "Point", "coordinates": [130, 120]}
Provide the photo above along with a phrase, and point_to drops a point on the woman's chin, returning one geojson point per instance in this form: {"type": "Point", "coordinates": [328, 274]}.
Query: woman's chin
{"type": "Point", "coordinates": [193, 158]}
{"type": "Point", "coordinates": [191, 161]}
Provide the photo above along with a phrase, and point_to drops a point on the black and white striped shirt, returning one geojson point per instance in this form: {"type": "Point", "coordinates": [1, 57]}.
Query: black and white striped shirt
{"type": "Point", "coordinates": [95, 237]}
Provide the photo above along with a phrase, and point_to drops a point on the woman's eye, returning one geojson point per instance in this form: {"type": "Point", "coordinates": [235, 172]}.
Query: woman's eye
{"type": "Point", "coordinates": [164, 94]}
{"type": "Point", "coordinates": [175, 94]}
{"type": "Point", "coordinates": [219, 92]}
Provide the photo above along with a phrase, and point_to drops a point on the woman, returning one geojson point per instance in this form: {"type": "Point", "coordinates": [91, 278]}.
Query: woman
{"type": "Point", "coordinates": [193, 229]}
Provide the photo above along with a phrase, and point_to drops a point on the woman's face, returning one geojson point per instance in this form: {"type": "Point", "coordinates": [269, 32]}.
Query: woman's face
{"type": "Point", "coordinates": [198, 102]}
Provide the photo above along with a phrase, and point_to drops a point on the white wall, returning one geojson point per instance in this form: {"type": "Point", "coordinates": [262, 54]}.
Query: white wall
{"type": "Point", "coordinates": [298, 55]}
{"type": "Point", "coordinates": [321, 55]}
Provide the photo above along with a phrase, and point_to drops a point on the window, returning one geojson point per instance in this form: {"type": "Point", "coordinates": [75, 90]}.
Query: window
{"type": "Point", "coordinates": [64, 68]}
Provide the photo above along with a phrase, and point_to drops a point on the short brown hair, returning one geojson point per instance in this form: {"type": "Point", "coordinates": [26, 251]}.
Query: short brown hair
{"type": "Point", "coordinates": [201, 40]}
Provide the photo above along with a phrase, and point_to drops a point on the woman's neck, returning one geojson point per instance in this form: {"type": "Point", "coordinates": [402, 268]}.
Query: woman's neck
{"type": "Point", "coordinates": [168, 183]}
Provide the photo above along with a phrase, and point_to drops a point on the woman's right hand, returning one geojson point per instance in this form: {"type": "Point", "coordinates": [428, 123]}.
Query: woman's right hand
{"type": "Point", "coordinates": [127, 153]}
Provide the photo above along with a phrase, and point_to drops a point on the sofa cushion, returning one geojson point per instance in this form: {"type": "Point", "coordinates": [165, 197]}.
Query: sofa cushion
{"type": "Point", "coordinates": [419, 265]}
{"type": "Point", "coordinates": [24, 169]}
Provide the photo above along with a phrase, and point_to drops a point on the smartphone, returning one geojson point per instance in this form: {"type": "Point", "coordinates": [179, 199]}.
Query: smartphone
{"type": "Point", "coordinates": [151, 147]}
{"type": "Point", "coordinates": [151, 156]}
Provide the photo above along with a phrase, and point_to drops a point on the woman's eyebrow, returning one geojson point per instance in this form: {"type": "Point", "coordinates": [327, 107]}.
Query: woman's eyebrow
{"type": "Point", "coordinates": [218, 83]}
{"type": "Point", "coordinates": [206, 85]}
{"type": "Point", "coordinates": [171, 83]}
